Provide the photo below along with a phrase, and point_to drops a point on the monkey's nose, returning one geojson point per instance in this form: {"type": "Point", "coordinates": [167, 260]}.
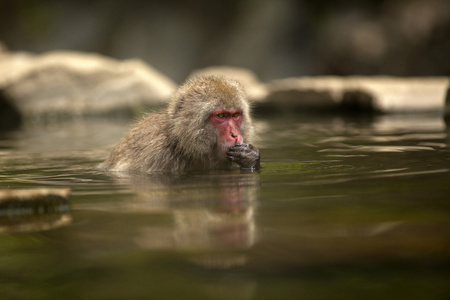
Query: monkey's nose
{"type": "Point", "coordinates": [237, 139]}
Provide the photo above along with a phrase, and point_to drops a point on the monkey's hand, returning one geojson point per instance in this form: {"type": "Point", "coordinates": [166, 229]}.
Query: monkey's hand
{"type": "Point", "coordinates": [246, 155]}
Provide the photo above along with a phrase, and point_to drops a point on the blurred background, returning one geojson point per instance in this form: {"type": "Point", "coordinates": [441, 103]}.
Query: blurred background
{"type": "Point", "coordinates": [273, 38]}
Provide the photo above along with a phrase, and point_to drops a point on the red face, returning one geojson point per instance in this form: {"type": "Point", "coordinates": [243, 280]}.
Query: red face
{"type": "Point", "coordinates": [227, 123]}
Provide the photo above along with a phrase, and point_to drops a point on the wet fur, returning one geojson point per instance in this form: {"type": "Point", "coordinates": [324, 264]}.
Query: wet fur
{"type": "Point", "coordinates": [182, 136]}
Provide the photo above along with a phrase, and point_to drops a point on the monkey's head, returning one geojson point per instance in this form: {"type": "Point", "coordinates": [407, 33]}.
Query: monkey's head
{"type": "Point", "coordinates": [210, 114]}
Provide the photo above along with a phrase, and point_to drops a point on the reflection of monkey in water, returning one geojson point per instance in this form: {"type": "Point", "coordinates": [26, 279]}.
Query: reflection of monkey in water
{"type": "Point", "coordinates": [214, 216]}
{"type": "Point", "coordinates": [204, 127]}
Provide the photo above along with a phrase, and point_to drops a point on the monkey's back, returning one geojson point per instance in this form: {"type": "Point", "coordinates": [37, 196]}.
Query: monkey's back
{"type": "Point", "coordinates": [144, 148]}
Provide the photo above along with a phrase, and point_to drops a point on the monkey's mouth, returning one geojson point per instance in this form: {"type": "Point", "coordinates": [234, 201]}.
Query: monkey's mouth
{"type": "Point", "coordinates": [224, 149]}
{"type": "Point", "coordinates": [238, 145]}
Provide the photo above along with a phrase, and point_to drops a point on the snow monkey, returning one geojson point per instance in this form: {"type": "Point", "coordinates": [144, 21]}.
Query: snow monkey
{"type": "Point", "coordinates": [206, 126]}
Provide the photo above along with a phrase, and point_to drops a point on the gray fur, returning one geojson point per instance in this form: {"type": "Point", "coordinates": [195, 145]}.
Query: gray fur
{"type": "Point", "coordinates": [182, 137]}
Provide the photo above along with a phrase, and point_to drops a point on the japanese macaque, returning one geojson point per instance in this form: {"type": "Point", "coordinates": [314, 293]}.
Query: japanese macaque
{"type": "Point", "coordinates": [207, 126]}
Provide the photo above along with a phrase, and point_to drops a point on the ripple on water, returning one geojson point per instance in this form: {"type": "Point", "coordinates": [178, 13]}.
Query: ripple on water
{"type": "Point", "coordinates": [385, 148]}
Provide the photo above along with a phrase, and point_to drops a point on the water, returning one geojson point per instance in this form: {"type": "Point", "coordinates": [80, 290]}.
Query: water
{"type": "Point", "coordinates": [342, 209]}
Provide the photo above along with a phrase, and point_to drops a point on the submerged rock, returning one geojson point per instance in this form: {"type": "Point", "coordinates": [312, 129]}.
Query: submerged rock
{"type": "Point", "coordinates": [34, 209]}
{"type": "Point", "coordinates": [75, 83]}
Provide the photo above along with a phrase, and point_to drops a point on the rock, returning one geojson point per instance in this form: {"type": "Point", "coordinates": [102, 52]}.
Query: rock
{"type": "Point", "coordinates": [33, 201]}
{"type": "Point", "coordinates": [34, 209]}
{"type": "Point", "coordinates": [382, 94]}
{"type": "Point", "coordinates": [357, 101]}
{"type": "Point", "coordinates": [74, 83]}
{"type": "Point", "coordinates": [10, 116]}
{"type": "Point", "coordinates": [253, 87]}
{"type": "Point", "coordinates": [447, 107]}
{"type": "Point", "coordinates": [290, 98]}
{"type": "Point", "coordinates": [392, 94]}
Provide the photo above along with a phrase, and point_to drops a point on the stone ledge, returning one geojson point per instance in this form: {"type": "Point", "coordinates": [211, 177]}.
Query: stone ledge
{"type": "Point", "coordinates": [71, 83]}
{"type": "Point", "coordinates": [382, 94]}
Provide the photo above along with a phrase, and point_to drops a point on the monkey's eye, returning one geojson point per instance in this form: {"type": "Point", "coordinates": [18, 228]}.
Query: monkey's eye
{"type": "Point", "coordinates": [221, 115]}
{"type": "Point", "coordinates": [235, 115]}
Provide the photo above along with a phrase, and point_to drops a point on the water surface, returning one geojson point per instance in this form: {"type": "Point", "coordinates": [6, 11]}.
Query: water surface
{"type": "Point", "coordinates": [341, 209]}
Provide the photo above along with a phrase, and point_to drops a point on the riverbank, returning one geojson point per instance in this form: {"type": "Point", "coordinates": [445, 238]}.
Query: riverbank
{"type": "Point", "coordinates": [68, 84]}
